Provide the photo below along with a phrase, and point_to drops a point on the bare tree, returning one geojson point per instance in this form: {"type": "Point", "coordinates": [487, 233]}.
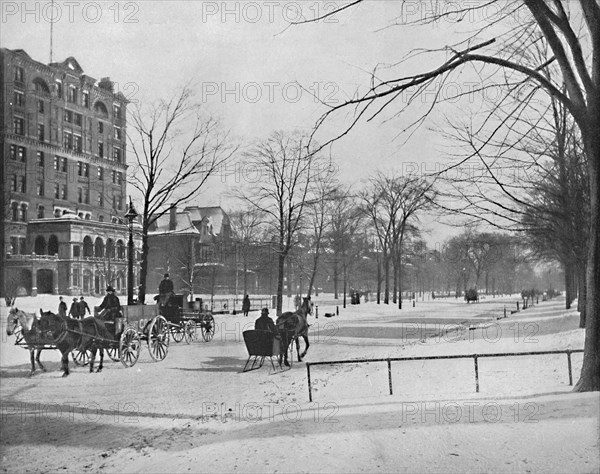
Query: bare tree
{"type": "Point", "coordinates": [285, 189]}
{"type": "Point", "coordinates": [177, 149]}
{"type": "Point", "coordinates": [245, 227]}
{"type": "Point", "coordinates": [571, 31]}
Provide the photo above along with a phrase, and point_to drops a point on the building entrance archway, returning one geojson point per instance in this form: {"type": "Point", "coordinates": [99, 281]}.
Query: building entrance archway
{"type": "Point", "coordinates": [45, 281]}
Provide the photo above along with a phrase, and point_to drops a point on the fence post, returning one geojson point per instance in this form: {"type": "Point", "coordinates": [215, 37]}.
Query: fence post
{"type": "Point", "coordinates": [309, 383]}
{"type": "Point", "coordinates": [476, 373]}
{"type": "Point", "coordinates": [517, 306]}
{"type": "Point", "coordinates": [505, 311]}
{"type": "Point", "coordinates": [389, 362]}
{"type": "Point", "coordinates": [569, 363]}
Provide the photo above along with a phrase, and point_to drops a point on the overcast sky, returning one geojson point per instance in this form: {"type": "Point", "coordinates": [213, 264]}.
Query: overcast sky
{"type": "Point", "coordinates": [246, 63]}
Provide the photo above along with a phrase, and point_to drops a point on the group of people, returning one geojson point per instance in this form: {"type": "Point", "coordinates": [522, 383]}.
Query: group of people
{"type": "Point", "coordinates": [77, 310]}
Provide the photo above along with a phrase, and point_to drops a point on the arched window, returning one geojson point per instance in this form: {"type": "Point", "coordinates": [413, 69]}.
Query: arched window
{"type": "Point", "coordinates": [120, 249]}
{"type": "Point", "coordinates": [98, 248]}
{"type": "Point", "coordinates": [88, 247]}
{"type": "Point", "coordinates": [100, 108]}
{"type": "Point", "coordinates": [40, 245]}
{"type": "Point", "coordinates": [110, 248]}
{"type": "Point", "coordinates": [40, 212]}
{"type": "Point", "coordinates": [24, 212]}
{"type": "Point", "coordinates": [53, 245]}
{"type": "Point", "coordinates": [56, 212]}
{"type": "Point", "coordinates": [15, 211]}
{"type": "Point", "coordinates": [41, 87]}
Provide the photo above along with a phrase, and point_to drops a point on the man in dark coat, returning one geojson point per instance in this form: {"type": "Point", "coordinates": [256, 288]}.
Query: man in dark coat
{"type": "Point", "coordinates": [265, 323]}
{"type": "Point", "coordinates": [83, 306]}
{"type": "Point", "coordinates": [246, 305]}
{"type": "Point", "coordinates": [74, 310]}
{"type": "Point", "coordinates": [62, 307]}
{"type": "Point", "coordinates": [165, 290]}
{"type": "Point", "coordinates": [111, 306]}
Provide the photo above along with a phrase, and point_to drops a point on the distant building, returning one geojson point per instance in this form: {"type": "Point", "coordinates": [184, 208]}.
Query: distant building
{"type": "Point", "coordinates": [63, 196]}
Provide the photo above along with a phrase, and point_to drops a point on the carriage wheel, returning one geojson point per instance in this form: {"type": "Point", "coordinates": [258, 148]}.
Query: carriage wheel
{"type": "Point", "coordinates": [178, 333]}
{"type": "Point", "coordinates": [158, 338]}
{"type": "Point", "coordinates": [81, 358]}
{"type": "Point", "coordinates": [208, 327]}
{"type": "Point", "coordinates": [189, 331]}
{"type": "Point", "coordinates": [113, 353]}
{"type": "Point", "coordinates": [129, 347]}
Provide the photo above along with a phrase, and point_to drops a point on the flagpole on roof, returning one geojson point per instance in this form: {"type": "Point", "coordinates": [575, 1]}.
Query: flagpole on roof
{"type": "Point", "coordinates": [51, 29]}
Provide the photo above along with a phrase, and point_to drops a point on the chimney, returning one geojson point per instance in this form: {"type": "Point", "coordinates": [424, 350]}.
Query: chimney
{"type": "Point", "coordinates": [173, 218]}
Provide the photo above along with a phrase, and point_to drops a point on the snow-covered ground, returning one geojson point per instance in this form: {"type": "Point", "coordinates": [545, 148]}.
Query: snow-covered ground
{"type": "Point", "coordinates": [196, 411]}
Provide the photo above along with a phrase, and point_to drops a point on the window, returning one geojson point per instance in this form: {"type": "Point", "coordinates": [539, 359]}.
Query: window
{"type": "Point", "coordinates": [41, 212]}
{"type": "Point", "coordinates": [40, 159]}
{"type": "Point", "coordinates": [100, 200]}
{"type": "Point", "coordinates": [14, 245]}
{"type": "Point", "coordinates": [101, 149]}
{"type": "Point", "coordinates": [76, 270]}
{"type": "Point", "coordinates": [13, 152]}
{"type": "Point", "coordinates": [14, 207]}
{"type": "Point", "coordinates": [79, 168]}
{"type": "Point", "coordinates": [68, 116]}
{"type": "Point", "coordinates": [19, 74]}
{"type": "Point", "coordinates": [117, 133]}
{"type": "Point", "coordinates": [114, 177]}
{"type": "Point", "coordinates": [40, 188]}
{"type": "Point", "coordinates": [77, 142]}
{"type": "Point", "coordinates": [14, 183]}
{"type": "Point", "coordinates": [59, 89]}
{"type": "Point", "coordinates": [117, 154]}
{"type": "Point", "coordinates": [100, 127]}
{"type": "Point", "coordinates": [19, 99]}
{"type": "Point", "coordinates": [77, 119]}
{"type": "Point", "coordinates": [117, 111]}
{"type": "Point", "coordinates": [76, 251]}
{"type": "Point", "coordinates": [63, 165]}
{"type": "Point", "coordinates": [86, 99]}
{"type": "Point", "coordinates": [24, 212]}
{"type": "Point", "coordinates": [22, 184]}
{"type": "Point", "coordinates": [22, 245]}
{"type": "Point", "coordinates": [22, 154]}
{"type": "Point", "coordinates": [79, 195]}
{"type": "Point", "coordinates": [101, 218]}
{"type": "Point", "coordinates": [100, 174]}
{"type": "Point", "coordinates": [19, 126]}
{"type": "Point", "coordinates": [64, 192]}
{"type": "Point", "coordinates": [86, 196]}
{"type": "Point", "coordinates": [56, 191]}
{"type": "Point", "coordinates": [68, 140]}
{"type": "Point", "coordinates": [56, 163]}
{"type": "Point", "coordinates": [40, 132]}
{"type": "Point", "coordinates": [40, 107]}
{"type": "Point", "coordinates": [119, 178]}
{"type": "Point", "coordinates": [72, 94]}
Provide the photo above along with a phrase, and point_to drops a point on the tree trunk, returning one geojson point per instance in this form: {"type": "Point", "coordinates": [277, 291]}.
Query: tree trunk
{"type": "Point", "coordinates": [280, 273]}
{"type": "Point", "coordinates": [144, 265]}
{"type": "Point", "coordinates": [345, 287]}
{"type": "Point", "coordinates": [590, 371]}
{"type": "Point", "coordinates": [568, 285]}
{"type": "Point", "coordinates": [395, 280]}
{"type": "Point", "coordinates": [400, 284]}
{"type": "Point", "coordinates": [386, 276]}
{"type": "Point", "coordinates": [335, 279]}
{"type": "Point", "coordinates": [378, 280]}
{"type": "Point", "coordinates": [581, 300]}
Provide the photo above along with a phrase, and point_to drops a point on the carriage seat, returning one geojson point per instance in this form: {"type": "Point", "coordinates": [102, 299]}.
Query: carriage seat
{"type": "Point", "coordinates": [260, 345]}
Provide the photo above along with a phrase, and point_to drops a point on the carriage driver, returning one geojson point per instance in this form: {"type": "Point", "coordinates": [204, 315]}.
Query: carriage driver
{"type": "Point", "coordinates": [165, 291]}
{"type": "Point", "coordinates": [111, 305]}
{"type": "Point", "coordinates": [265, 323]}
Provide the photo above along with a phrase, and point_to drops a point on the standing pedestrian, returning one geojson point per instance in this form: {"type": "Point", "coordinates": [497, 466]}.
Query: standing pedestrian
{"type": "Point", "coordinates": [74, 310]}
{"type": "Point", "coordinates": [62, 307]}
{"type": "Point", "coordinates": [83, 306]}
{"type": "Point", "coordinates": [246, 305]}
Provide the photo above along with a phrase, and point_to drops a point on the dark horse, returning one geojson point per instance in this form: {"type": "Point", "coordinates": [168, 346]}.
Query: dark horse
{"type": "Point", "coordinates": [292, 325]}
{"type": "Point", "coordinates": [82, 334]}
{"type": "Point", "coordinates": [31, 332]}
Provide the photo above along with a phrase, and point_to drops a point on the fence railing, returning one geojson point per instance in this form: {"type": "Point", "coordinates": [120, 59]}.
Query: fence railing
{"type": "Point", "coordinates": [475, 358]}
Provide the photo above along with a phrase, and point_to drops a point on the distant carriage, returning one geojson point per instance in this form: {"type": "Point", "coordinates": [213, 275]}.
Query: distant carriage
{"type": "Point", "coordinates": [183, 320]}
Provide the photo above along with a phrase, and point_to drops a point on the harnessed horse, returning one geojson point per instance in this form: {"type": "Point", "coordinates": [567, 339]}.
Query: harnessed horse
{"type": "Point", "coordinates": [291, 326]}
{"type": "Point", "coordinates": [30, 331]}
{"type": "Point", "coordinates": [68, 334]}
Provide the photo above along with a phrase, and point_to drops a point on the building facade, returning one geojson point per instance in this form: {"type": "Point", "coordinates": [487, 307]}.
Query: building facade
{"type": "Point", "coordinates": [63, 145]}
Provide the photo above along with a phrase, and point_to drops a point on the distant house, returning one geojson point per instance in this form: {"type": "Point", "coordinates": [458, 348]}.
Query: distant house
{"type": "Point", "coordinates": [194, 247]}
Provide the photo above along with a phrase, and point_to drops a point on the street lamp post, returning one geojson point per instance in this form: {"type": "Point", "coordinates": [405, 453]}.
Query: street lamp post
{"type": "Point", "coordinates": [130, 216]}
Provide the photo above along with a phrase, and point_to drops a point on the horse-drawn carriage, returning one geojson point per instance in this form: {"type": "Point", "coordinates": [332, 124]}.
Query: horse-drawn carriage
{"type": "Point", "coordinates": [121, 337]}
{"type": "Point", "coordinates": [183, 320]}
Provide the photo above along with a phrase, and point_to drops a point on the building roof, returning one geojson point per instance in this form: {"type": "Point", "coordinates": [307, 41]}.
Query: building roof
{"type": "Point", "coordinates": [215, 215]}
{"type": "Point", "coordinates": [183, 225]}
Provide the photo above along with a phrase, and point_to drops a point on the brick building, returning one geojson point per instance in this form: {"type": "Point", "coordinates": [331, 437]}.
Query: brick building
{"type": "Point", "coordinates": [63, 145]}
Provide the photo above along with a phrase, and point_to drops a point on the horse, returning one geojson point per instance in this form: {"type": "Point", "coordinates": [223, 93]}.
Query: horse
{"type": "Point", "coordinates": [69, 334]}
{"type": "Point", "coordinates": [29, 325]}
{"type": "Point", "coordinates": [292, 325]}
